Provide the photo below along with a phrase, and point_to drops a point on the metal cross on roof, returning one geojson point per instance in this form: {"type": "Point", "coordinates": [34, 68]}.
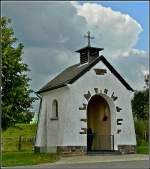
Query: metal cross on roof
{"type": "Point", "coordinates": [88, 37]}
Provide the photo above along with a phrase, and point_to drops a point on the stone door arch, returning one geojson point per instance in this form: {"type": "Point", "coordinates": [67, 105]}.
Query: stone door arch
{"type": "Point", "coordinates": [99, 121]}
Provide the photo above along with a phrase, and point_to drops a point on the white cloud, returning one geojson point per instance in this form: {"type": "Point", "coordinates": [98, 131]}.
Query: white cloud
{"type": "Point", "coordinates": [133, 67]}
{"type": "Point", "coordinates": [116, 32]}
{"type": "Point", "coordinates": [52, 31]}
{"type": "Point", "coordinates": [144, 70]}
{"type": "Point", "coordinates": [138, 52]}
{"type": "Point", "coordinates": [44, 62]}
{"type": "Point", "coordinates": [50, 37]}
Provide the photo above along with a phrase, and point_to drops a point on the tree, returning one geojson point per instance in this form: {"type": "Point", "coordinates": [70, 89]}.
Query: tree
{"type": "Point", "coordinates": [140, 104]}
{"type": "Point", "coordinates": [15, 88]}
{"type": "Point", "coordinates": [140, 107]}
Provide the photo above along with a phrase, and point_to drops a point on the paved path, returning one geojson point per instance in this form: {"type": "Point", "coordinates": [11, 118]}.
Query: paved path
{"type": "Point", "coordinates": [109, 165]}
{"type": "Point", "coordinates": [101, 158]}
{"type": "Point", "coordinates": [99, 161]}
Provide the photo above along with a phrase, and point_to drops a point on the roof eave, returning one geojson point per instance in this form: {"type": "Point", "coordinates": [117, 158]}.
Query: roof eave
{"type": "Point", "coordinates": [52, 88]}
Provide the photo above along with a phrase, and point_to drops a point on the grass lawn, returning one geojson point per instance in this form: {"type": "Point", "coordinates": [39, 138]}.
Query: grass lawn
{"type": "Point", "coordinates": [12, 157]}
{"type": "Point", "coordinates": [143, 149]}
{"type": "Point", "coordinates": [11, 137]}
{"type": "Point", "coordinates": [26, 158]}
{"type": "Point", "coordinates": [26, 130]}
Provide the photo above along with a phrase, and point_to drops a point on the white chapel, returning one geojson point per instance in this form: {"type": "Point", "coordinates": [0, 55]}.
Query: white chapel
{"type": "Point", "coordinates": [86, 108]}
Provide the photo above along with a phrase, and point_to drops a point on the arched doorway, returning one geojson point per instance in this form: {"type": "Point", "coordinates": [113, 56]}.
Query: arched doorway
{"type": "Point", "coordinates": [99, 121]}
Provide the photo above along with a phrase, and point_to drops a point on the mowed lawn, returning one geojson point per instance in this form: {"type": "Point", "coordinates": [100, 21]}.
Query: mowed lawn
{"type": "Point", "coordinates": [12, 134]}
{"type": "Point", "coordinates": [143, 149]}
{"type": "Point", "coordinates": [26, 130]}
{"type": "Point", "coordinates": [12, 157]}
{"type": "Point", "coordinates": [26, 158]}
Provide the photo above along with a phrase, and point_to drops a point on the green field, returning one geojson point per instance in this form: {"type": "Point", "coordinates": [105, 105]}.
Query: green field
{"type": "Point", "coordinates": [27, 130]}
{"type": "Point", "coordinates": [12, 157]}
{"type": "Point", "coordinates": [26, 158]}
{"type": "Point", "coordinates": [142, 150]}
{"type": "Point", "coordinates": [12, 134]}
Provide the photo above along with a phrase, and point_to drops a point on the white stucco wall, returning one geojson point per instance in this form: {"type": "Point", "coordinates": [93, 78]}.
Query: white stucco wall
{"type": "Point", "coordinates": [65, 130]}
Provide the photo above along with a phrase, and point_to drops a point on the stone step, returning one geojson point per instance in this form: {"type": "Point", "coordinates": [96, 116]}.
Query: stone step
{"type": "Point", "coordinates": [107, 152]}
{"type": "Point", "coordinates": [69, 154]}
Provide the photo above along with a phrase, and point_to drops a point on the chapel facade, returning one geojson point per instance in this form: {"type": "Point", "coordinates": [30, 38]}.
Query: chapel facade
{"type": "Point", "coordinates": [86, 108]}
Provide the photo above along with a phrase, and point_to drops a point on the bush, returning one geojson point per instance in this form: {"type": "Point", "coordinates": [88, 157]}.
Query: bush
{"type": "Point", "coordinates": [142, 131]}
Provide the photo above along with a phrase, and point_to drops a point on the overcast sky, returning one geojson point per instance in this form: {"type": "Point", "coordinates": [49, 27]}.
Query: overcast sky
{"type": "Point", "coordinates": [52, 31]}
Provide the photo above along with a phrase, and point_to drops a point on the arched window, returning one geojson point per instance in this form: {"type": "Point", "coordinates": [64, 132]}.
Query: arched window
{"type": "Point", "coordinates": [55, 109]}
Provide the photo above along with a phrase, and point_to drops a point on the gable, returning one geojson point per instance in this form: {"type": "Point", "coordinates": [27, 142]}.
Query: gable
{"type": "Point", "coordinates": [71, 74]}
{"type": "Point", "coordinates": [118, 76]}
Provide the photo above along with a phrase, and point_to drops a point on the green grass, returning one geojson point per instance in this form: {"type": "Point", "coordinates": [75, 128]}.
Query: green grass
{"type": "Point", "coordinates": [26, 130]}
{"type": "Point", "coordinates": [26, 158]}
{"type": "Point", "coordinates": [11, 137]}
{"type": "Point", "coordinates": [142, 149]}
{"type": "Point", "coordinates": [12, 157]}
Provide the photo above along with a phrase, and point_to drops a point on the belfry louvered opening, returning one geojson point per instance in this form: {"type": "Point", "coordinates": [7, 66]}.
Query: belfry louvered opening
{"type": "Point", "coordinates": [88, 54]}
{"type": "Point", "coordinates": [83, 57]}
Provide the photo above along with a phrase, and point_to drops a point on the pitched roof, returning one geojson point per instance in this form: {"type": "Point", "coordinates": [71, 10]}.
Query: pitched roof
{"type": "Point", "coordinates": [72, 73]}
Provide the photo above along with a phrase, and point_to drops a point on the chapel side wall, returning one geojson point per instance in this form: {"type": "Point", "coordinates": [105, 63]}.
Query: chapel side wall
{"type": "Point", "coordinates": [88, 82]}
{"type": "Point", "coordinates": [63, 132]}
{"type": "Point", "coordinates": [57, 130]}
{"type": "Point", "coordinates": [40, 142]}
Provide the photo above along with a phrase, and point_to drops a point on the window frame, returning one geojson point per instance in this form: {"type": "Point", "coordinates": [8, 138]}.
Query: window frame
{"type": "Point", "coordinates": [54, 110]}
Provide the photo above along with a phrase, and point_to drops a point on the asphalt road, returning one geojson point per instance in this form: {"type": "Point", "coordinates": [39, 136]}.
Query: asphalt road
{"type": "Point", "coordinates": [142, 164]}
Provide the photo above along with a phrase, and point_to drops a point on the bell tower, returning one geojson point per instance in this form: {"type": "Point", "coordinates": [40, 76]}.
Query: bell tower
{"type": "Point", "coordinates": [88, 53]}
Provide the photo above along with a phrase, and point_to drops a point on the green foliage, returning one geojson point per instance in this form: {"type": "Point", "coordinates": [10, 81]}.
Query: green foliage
{"type": "Point", "coordinates": [26, 117]}
{"type": "Point", "coordinates": [15, 84]}
{"type": "Point", "coordinates": [142, 135]}
{"type": "Point", "coordinates": [140, 104]}
{"type": "Point", "coordinates": [142, 131]}
{"type": "Point", "coordinates": [141, 126]}
{"type": "Point", "coordinates": [140, 107]}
